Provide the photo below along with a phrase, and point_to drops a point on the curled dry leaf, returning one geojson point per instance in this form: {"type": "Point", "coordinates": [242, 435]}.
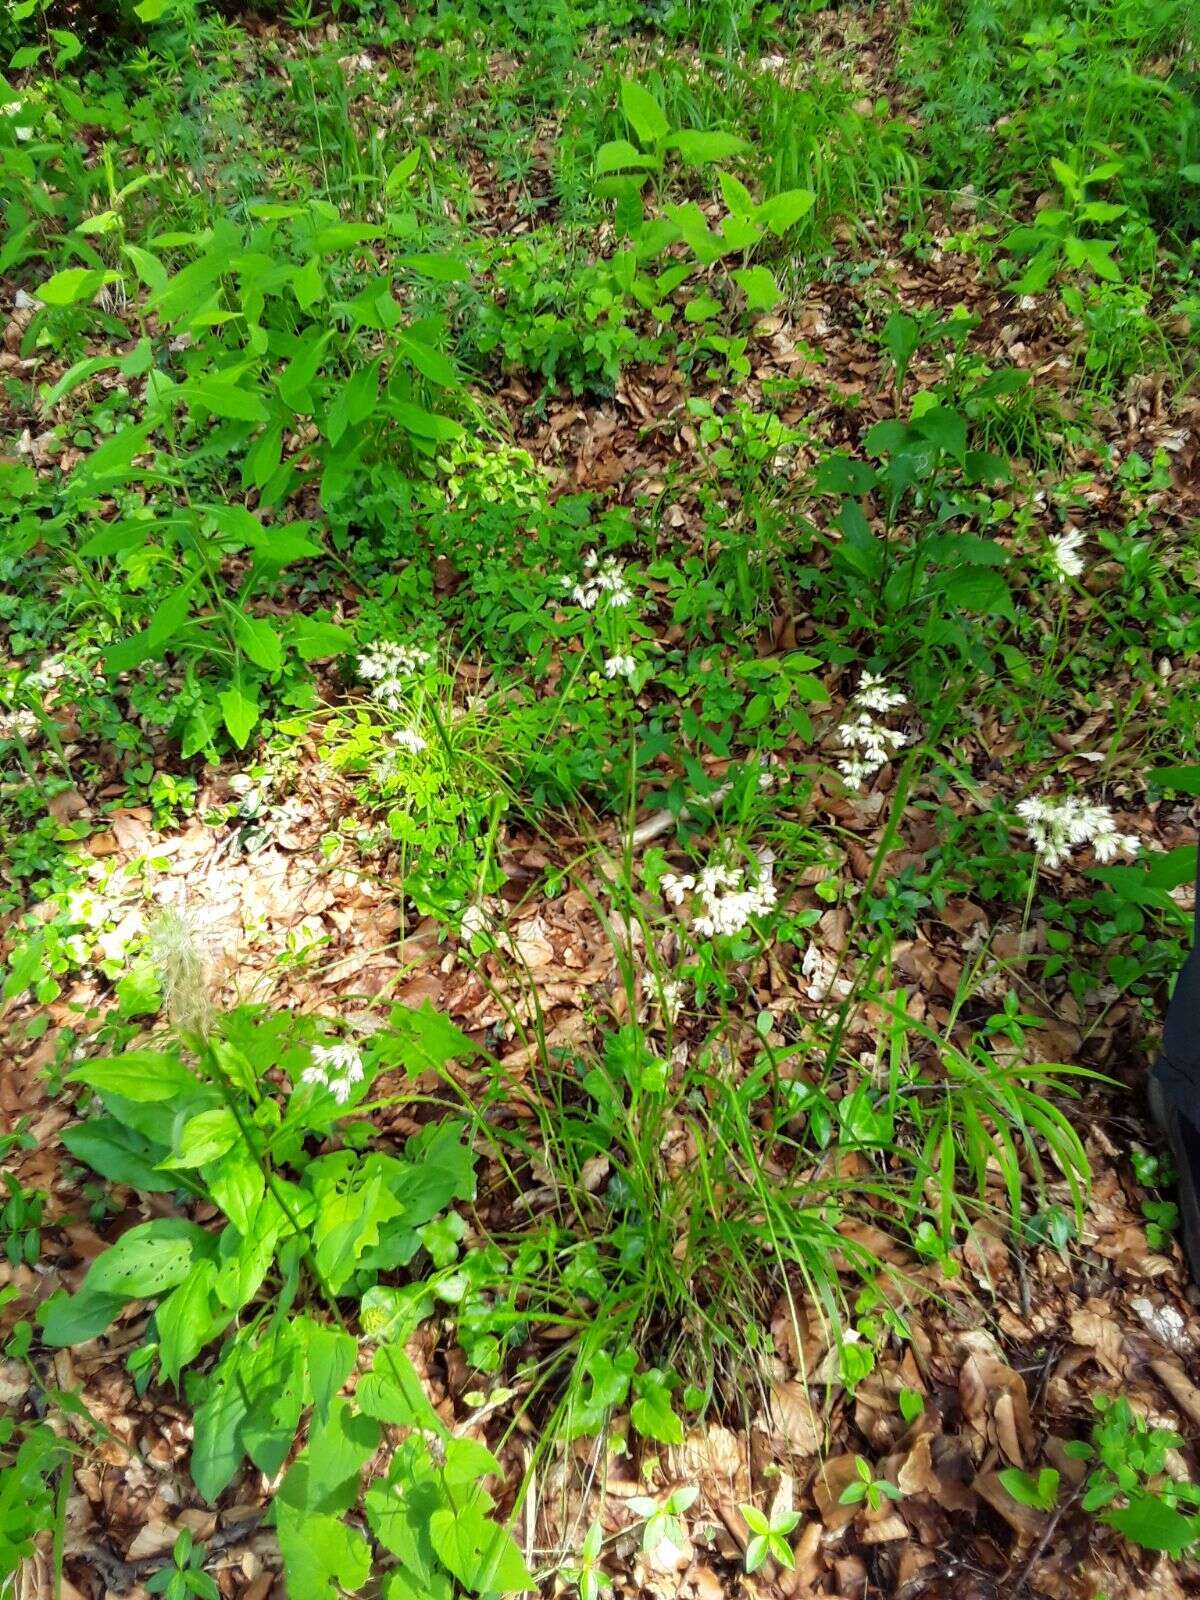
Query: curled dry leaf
{"type": "Point", "coordinates": [995, 1403]}
{"type": "Point", "coordinates": [1180, 1387]}
{"type": "Point", "coordinates": [1098, 1332]}
{"type": "Point", "coordinates": [791, 1420]}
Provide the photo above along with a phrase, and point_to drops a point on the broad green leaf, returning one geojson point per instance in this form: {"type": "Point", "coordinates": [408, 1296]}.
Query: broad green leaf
{"type": "Point", "coordinates": [393, 1393]}
{"type": "Point", "coordinates": [260, 641]}
{"type": "Point", "coordinates": [240, 713]}
{"type": "Point", "coordinates": [148, 267]}
{"type": "Point", "coordinates": [353, 403]}
{"type": "Point", "coordinates": [188, 1318]}
{"type": "Point", "coordinates": [237, 402]}
{"type": "Point", "coordinates": [946, 429]}
{"type": "Point", "coordinates": [980, 590]}
{"type": "Point", "coordinates": [440, 268]}
{"type": "Point", "coordinates": [149, 1259]}
{"type": "Point", "coordinates": [1040, 1493]}
{"type": "Point", "coordinates": [756, 283]}
{"type": "Point", "coordinates": [618, 155]}
{"type": "Point", "coordinates": [322, 1555]}
{"type": "Point", "coordinates": [424, 424]}
{"type": "Point", "coordinates": [117, 1153]}
{"type": "Point", "coordinates": [643, 113]}
{"type": "Point", "coordinates": [203, 1138]}
{"type": "Point", "coordinates": [139, 993]}
{"type": "Point", "coordinates": [315, 640]}
{"type": "Point", "coordinates": [74, 1319]}
{"type": "Point", "coordinates": [217, 1451]}
{"type": "Point", "coordinates": [139, 1075]}
{"type": "Point", "coordinates": [152, 643]}
{"type": "Point", "coordinates": [68, 287]}
{"type": "Point", "coordinates": [1181, 780]}
{"type": "Point", "coordinates": [434, 365]}
{"type": "Point", "coordinates": [307, 284]}
{"type": "Point", "coordinates": [697, 148]}
{"type": "Point", "coordinates": [705, 245]}
{"type": "Point", "coordinates": [402, 172]}
{"type": "Point", "coordinates": [1151, 1523]}
{"type": "Point", "coordinates": [483, 1556]}
{"type": "Point", "coordinates": [300, 371]}
{"type": "Point", "coordinates": [652, 1414]}
{"type": "Point", "coordinates": [236, 1183]}
{"type": "Point", "coordinates": [784, 210]}
{"type": "Point", "coordinates": [331, 1357]}
{"type": "Point", "coordinates": [201, 729]}
{"type": "Point", "coordinates": [346, 236]}
{"type": "Point", "coordinates": [425, 1039]}
{"type": "Point", "coordinates": [79, 372]}
{"type": "Point", "coordinates": [324, 1477]}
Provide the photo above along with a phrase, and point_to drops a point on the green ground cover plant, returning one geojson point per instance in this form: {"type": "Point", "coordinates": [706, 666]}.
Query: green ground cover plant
{"type": "Point", "coordinates": [677, 523]}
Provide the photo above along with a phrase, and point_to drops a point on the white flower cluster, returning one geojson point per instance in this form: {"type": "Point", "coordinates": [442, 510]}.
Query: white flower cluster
{"type": "Point", "coordinates": [1055, 826]}
{"type": "Point", "coordinates": [870, 741]}
{"type": "Point", "coordinates": [619, 666]}
{"type": "Point", "coordinates": [336, 1067]}
{"type": "Point", "coordinates": [728, 897]}
{"type": "Point", "coordinates": [602, 577]}
{"type": "Point", "coordinates": [387, 669]}
{"type": "Point", "coordinates": [1064, 554]}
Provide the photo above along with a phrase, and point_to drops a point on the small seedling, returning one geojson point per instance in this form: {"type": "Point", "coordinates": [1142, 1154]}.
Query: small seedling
{"type": "Point", "coordinates": [866, 1487]}
{"type": "Point", "coordinates": [186, 1575]}
{"type": "Point", "coordinates": [21, 1222]}
{"type": "Point", "coordinates": [1039, 1493]}
{"type": "Point", "coordinates": [768, 1537]}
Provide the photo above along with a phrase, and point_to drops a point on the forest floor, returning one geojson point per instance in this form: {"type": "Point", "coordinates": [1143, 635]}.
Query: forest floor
{"type": "Point", "coordinates": [1007, 1350]}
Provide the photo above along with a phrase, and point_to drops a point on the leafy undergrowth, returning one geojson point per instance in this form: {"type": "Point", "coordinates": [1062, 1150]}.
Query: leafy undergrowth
{"type": "Point", "coordinates": [597, 747]}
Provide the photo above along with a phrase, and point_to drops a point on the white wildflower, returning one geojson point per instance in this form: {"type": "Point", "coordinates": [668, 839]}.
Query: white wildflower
{"type": "Point", "coordinates": [874, 695]}
{"type": "Point", "coordinates": [619, 666]}
{"type": "Point", "coordinates": [730, 899]}
{"type": "Point", "coordinates": [604, 577]}
{"type": "Point", "coordinates": [387, 669]}
{"type": "Point", "coordinates": [870, 743]}
{"type": "Point", "coordinates": [671, 998]}
{"type": "Point", "coordinates": [335, 1067]}
{"type": "Point", "coordinates": [409, 739]}
{"type": "Point", "coordinates": [1055, 826]}
{"type": "Point", "coordinates": [1064, 553]}
{"type": "Point", "coordinates": [675, 886]}
{"type": "Point", "coordinates": [474, 922]}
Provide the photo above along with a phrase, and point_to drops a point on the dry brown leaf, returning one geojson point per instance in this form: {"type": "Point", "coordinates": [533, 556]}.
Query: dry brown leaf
{"type": "Point", "coordinates": [832, 1477]}
{"type": "Point", "coordinates": [1098, 1332]}
{"type": "Point", "coordinates": [1180, 1387]}
{"type": "Point", "coordinates": [791, 1419]}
